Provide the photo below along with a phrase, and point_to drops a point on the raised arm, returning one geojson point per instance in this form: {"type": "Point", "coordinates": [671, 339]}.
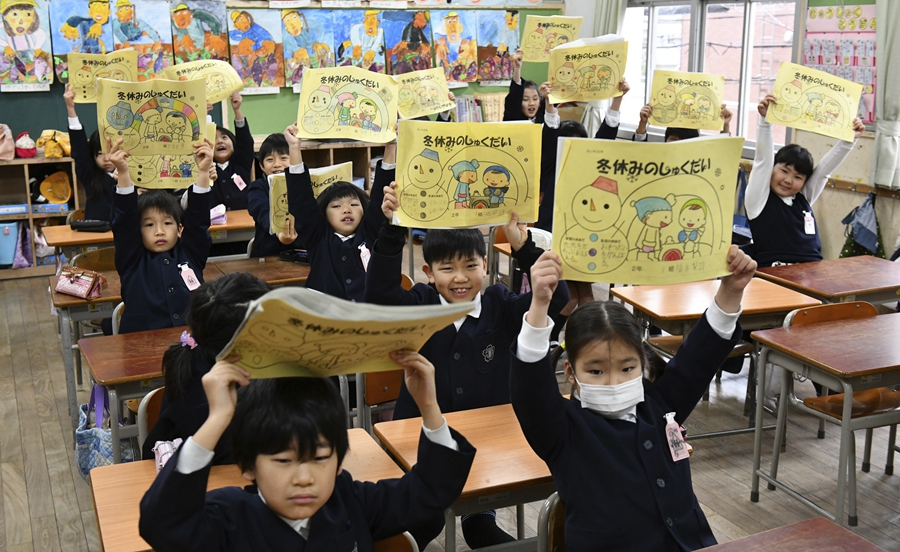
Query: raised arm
{"type": "Point", "coordinates": [829, 162]}
{"type": "Point", "coordinates": [512, 104]}
{"type": "Point", "coordinates": [81, 152]}
{"type": "Point", "coordinates": [302, 204]}
{"type": "Point", "coordinates": [763, 162]}
{"type": "Point", "coordinates": [609, 128]}
{"type": "Point", "coordinates": [383, 276]}
{"type": "Point", "coordinates": [385, 173]}
{"type": "Point", "coordinates": [195, 238]}
{"type": "Point", "coordinates": [243, 147]}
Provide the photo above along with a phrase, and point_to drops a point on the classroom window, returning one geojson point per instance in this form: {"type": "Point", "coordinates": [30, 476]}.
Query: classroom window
{"type": "Point", "coordinates": [636, 26]}
{"type": "Point", "coordinates": [772, 41]}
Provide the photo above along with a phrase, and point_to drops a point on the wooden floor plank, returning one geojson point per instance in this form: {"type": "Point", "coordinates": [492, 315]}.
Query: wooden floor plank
{"type": "Point", "coordinates": [68, 514]}
{"type": "Point", "coordinates": [15, 504]}
{"type": "Point", "coordinates": [46, 534]}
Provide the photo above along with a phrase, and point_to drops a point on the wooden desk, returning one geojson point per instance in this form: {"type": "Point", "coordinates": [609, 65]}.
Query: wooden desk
{"type": "Point", "coordinates": [812, 535]}
{"type": "Point", "coordinates": [831, 354]}
{"type": "Point", "coordinates": [494, 262]}
{"type": "Point", "coordinates": [862, 278]}
{"type": "Point", "coordinates": [118, 489]}
{"type": "Point", "coordinates": [269, 269]}
{"type": "Point", "coordinates": [506, 471]}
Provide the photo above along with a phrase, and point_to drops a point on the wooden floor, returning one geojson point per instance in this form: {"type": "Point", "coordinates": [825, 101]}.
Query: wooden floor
{"type": "Point", "coordinates": [46, 505]}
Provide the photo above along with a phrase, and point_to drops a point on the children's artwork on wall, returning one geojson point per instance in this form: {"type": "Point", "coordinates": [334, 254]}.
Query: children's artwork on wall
{"type": "Point", "coordinates": [155, 117]}
{"type": "Point", "coordinates": [458, 175]}
{"type": "Point", "coordinates": [687, 100]}
{"type": "Point", "coordinates": [219, 77]}
{"type": "Point", "coordinates": [435, 3]}
{"type": "Point", "coordinates": [80, 26]}
{"type": "Point", "coordinates": [359, 39]}
{"type": "Point", "coordinates": [347, 102]}
{"type": "Point", "coordinates": [85, 69]}
{"type": "Point", "coordinates": [297, 332]}
{"type": "Point", "coordinates": [640, 213]}
{"type": "Point", "coordinates": [478, 3]}
{"type": "Point", "coordinates": [256, 51]}
{"type": "Point", "coordinates": [815, 101]}
{"type": "Point", "coordinates": [587, 69]}
{"type": "Point", "coordinates": [456, 44]}
{"type": "Point", "coordinates": [545, 32]}
{"type": "Point", "coordinates": [308, 37]}
{"type": "Point", "coordinates": [25, 53]}
{"type": "Point", "coordinates": [168, 171]}
{"type": "Point", "coordinates": [407, 37]}
{"type": "Point", "coordinates": [199, 30]}
{"type": "Point", "coordinates": [324, 177]}
{"type": "Point", "coordinates": [144, 25]}
{"type": "Point", "coordinates": [498, 39]}
{"type": "Point", "coordinates": [423, 93]}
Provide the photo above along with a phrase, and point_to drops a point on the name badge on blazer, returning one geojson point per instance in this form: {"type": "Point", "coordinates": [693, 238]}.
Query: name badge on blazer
{"type": "Point", "coordinates": [187, 274]}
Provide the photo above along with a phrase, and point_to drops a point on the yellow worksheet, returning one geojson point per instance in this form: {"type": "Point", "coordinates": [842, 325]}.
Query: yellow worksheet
{"type": "Point", "coordinates": [85, 69]}
{"type": "Point", "coordinates": [278, 203]}
{"type": "Point", "coordinates": [324, 177]}
{"type": "Point", "coordinates": [167, 171]}
{"type": "Point", "coordinates": [587, 69]}
{"type": "Point", "coordinates": [687, 100]}
{"type": "Point", "coordinates": [220, 77]}
{"type": "Point", "coordinates": [423, 93]}
{"type": "Point", "coordinates": [542, 33]}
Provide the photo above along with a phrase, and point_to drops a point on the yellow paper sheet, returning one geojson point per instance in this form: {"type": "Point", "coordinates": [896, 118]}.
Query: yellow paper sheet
{"type": "Point", "coordinates": [278, 203]}
{"type": "Point", "coordinates": [220, 77]}
{"type": "Point", "coordinates": [545, 32]}
{"type": "Point", "coordinates": [155, 117]}
{"type": "Point", "coordinates": [588, 69]}
{"type": "Point", "coordinates": [423, 93]}
{"type": "Point", "coordinates": [347, 102]}
{"type": "Point", "coordinates": [815, 101]}
{"type": "Point", "coordinates": [639, 213]}
{"type": "Point", "coordinates": [687, 100]}
{"type": "Point", "coordinates": [85, 69]}
{"type": "Point", "coordinates": [457, 175]}
{"type": "Point", "coordinates": [291, 332]}
{"type": "Point", "coordinates": [326, 176]}
{"type": "Point", "coordinates": [167, 171]}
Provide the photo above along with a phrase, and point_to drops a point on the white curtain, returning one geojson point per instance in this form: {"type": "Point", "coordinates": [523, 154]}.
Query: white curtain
{"type": "Point", "coordinates": [608, 18]}
{"type": "Point", "coordinates": [886, 157]}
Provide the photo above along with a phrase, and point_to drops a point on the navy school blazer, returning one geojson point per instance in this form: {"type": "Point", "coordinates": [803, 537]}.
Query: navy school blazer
{"type": "Point", "coordinates": [264, 243]}
{"type": "Point", "coordinates": [225, 191]}
{"type": "Point", "coordinates": [99, 204]}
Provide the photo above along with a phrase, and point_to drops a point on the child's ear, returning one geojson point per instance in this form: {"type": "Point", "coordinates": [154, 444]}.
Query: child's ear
{"type": "Point", "coordinates": [180, 230]}
{"type": "Point", "coordinates": [569, 371]}
{"type": "Point", "coordinates": [484, 266]}
{"type": "Point", "coordinates": [427, 270]}
{"type": "Point", "coordinates": [249, 475]}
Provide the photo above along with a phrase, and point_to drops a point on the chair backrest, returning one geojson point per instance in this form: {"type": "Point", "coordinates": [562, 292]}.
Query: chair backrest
{"type": "Point", "coordinates": [406, 282]}
{"type": "Point", "coordinates": [830, 313]}
{"type": "Point", "coordinates": [148, 413]}
{"type": "Point", "coordinates": [500, 235]}
{"type": "Point", "coordinates": [403, 542]}
{"type": "Point", "coordinates": [117, 317]}
{"type": "Point", "coordinates": [100, 260]}
{"type": "Point", "coordinates": [382, 387]}
{"type": "Point", "coordinates": [250, 246]}
{"type": "Point", "coordinates": [77, 214]}
{"type": "Point", "coordinates": [552, 525]}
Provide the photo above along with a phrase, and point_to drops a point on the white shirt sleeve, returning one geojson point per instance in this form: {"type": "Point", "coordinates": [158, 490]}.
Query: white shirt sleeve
{"type": "Point", "coordinates": [125, 191]}
{"type": "Point", "coordinates": [239, 123]}
{"type": "Point", "coordinates": [199, 190]}
{"type": "Point", "coordinates": [613, 117]}
{"type": "Point", "coordinates": [723, 323]}
{"type": "Point", "coordinates": [74, 124]}
{"type": "Point", "coordinates": [533, 343]}
{"type": "Point", "coordinates": [441, 436]}
{"type": "Point", "coordinates": [829, 162]}
{"type": "Point", "coordinates": [193, 457]}
{"type": "Point", "coordinates": [297, 169]}
{"type": "Point", "coordinates": [388, 166]}
{"type": "Point", "coordinates": [763, 162]}
{"type": "Point", "coordinates": [638, 137]}
{"type": "Point", "coordinates": [552, 120]}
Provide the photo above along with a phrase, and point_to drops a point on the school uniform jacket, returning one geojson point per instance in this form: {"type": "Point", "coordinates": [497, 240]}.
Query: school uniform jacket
{"type": "Point", "coordinates": [335, 265]}
{"type": "Point", "coordinates": [225, 191]}
{"type": "Point", "coordinates": [471, 365]}
{"type": "Point", "coordinates": [99, 205]}
{"type": "Point", "coordinates": [178, 514]}
{"type": "Point", "coordinates": [153, 291]}
{"type": "Point", "coordinates": [264, 243]}
{"type": "Point", "coordinates": [622, 490]}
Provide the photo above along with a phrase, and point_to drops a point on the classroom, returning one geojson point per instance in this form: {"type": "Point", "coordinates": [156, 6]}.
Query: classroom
{"type": "Point", "coordinates": [459, 254]}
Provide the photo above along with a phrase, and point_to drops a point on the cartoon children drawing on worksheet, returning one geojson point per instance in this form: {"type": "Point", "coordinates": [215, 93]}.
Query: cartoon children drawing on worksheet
{"type": "Point", "coordinates": [465, 174]}
{"type": "Point", "coordinates": [692, 219]}
{"type": "Point", "coordinates": [655, 213]}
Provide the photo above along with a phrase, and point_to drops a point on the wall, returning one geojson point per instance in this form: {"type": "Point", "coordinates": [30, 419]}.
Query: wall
{"type": "Point", "coordinates": [584, 8]}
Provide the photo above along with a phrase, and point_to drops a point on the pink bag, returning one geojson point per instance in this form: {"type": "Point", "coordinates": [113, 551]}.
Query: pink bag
{"type": "Point", "coordinates": [22, 257]}
{"type": "Point", "coordinates": [80, 282]}
{"type": "Point", "coordinates": [7, 145]}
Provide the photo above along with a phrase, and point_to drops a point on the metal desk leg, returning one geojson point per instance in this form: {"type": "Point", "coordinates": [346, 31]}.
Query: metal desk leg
{"type": "Point", "coordinates": [757, 435]}
{"type": "Point", "coordinates": [846, 436]}
{"type": "Point", "coordinates": [449, 530]}
{"type": "Point", "coordinates": [76, 352]}
{"type": "Point", "coordinates": [520, 521]}
{"type": "Point", "coordinates": [65, 335]}
{"type": "Point", "coordinates": [114, 424]}
{"type": "Point", "coordinates": [787, 382]}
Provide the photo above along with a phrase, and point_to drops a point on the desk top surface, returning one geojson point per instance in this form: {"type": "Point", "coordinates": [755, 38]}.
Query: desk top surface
{"type": "Point", "coordinates": [118, 489]}
{"type": "Point", "coordinates": [504, 461]}
{"type": "Point", "coordinates": [812, 535]}
{"type": "Point", "coordinates": [269, 269]}
{"type": "Point", "coordinates": [837, 278]}
{"type": "Point", "coordinates": [846, 348]}
{"type": "Point", "coordinates": [117, 359]}
{"type": "Point", "coordinates": [689, 301]}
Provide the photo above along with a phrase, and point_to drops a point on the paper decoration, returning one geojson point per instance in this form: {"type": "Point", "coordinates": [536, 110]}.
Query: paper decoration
{"type": "Point", "coordinates": [407, 37]}
{"type": "Point", "coordinates": [587, 69]}
{"type": "Point", "coordinates": [815, 101]}
{"type": "Point", "coordinates": [423, 93]}
{"type": "Point", "coordinates": [640, 213]}
{"type": "Point", "coordinates": [545, 32]}
{"type": "Point", "coordinates": [456, 175]}
{"type": "Point", "coordinates": [25, 54]}
{"type": "Point", "coordinates": [687, 100]}
{"type": "Point", "coordinates": [85, 69]}
{"type": "Point", "coordinates": [256, 50]}
{"type": "Point", "coordinates": [498, 39]}
{"type": "Point", "coordinates": [324, 177]}
{"type": "Point", "coordinates": [359, 39]}
{"type": "Point", "coordinates": [145, 26]}
{"type": "Point", "coordinates": [220, 78]}
{"type": "Point", "coordinates": [199, 30]}
{"type": "Point", "coordinates": [292, 332]}
{"type": "Point", "coordinates": [308, 42]}
{"type": "Point", "coordinates": [455, 43]}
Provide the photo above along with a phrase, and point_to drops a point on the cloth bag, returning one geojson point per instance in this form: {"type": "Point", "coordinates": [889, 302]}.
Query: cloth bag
{"type": "Point", "coordinates": [56, 144]}
{"type": "Point", "coordinates": [22, 258]}
{"type": "Point", "coordinates": [80, 282]}
{"type": "Point", "coordinates": [7, 145]}
{"type": "Point", "coordinates": [862, 231]}
{"type": "Point", "coordinates": [93, 444]}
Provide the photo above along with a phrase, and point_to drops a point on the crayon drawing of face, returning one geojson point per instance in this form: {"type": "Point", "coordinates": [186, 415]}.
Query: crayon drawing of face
{"type": "Point", "coordinates": [425, 169]}
{"type": "Point", "coordinates": [565, 73]}
{"type": "Point", "coordinates": [666, 96]}
{"type": "Point", "coordinates": [790, 92]}
{"type": "Point", "coordinates": [20, 19]}
{"type": "Point", "coordinates": [597, 207]}
{"type": "Point", "coordinates": [693, 215]}
{"type": "Point", "coordinates": [704, 103]}
{"type": "Point", "coordinates": [832, 109]}
{"type": "Point", "coordinates": [320, 98]}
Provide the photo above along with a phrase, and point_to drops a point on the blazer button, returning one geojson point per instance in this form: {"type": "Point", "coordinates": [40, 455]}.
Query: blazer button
{"type": "Point", "coordinates": [344, 258]}
{"type": "Point", "coordinates": [459, 391]}
{"type": "Point", "coordinates": [456, 356]}
{"type": "Point", "coordinates": [348, 281]}
{"type": "Point", "coordinates": [175, 316]}
{"type": "Point", "coordinates": [648, 445]}
{"type": "Point", "coordinates": [165, 261]}
{"type": "Point", "coordinates": [669, 522]}
{"type": "Point", "coordinates": [661, 482]}
{"type": "Point", "coordinates": [171, 289]}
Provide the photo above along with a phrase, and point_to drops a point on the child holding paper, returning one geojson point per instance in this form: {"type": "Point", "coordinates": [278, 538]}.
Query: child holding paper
{"type": "Point", "coordinates": [92, 166]}
{"type": "Point", "coordinates": [273, 159]}
{"type": "Point", "coordinates": [233, 155]}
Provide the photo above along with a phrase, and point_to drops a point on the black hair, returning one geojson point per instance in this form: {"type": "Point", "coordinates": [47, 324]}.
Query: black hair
{"type": "Point", "coordinates": [228, 134]}
{"type": "Point", "coordinates": [446, 245]}
{"type": "Point", "coordinates": [273, 144]}
{"type": "Point", "coordinates": [278, 414]}
{"type": "Point", "coordinates": [340, 190]}
{"type": "Point", "coordinates": [215, 311]}
{"type": "Point", "coordinates": [681, 133]}
{"type": "Point", "coordinates": [161, 200]}
{"type": "Point", "coordinates": [572, 129]}
{"type": "Point", "coordinates": [98, 175]}
{"type": "Point", "coordinates": [796, 156]}
{"type": "Point", "coordinates": [526, 84]}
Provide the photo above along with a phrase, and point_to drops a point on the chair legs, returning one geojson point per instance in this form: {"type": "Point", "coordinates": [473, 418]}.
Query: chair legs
{"type": "Point", "coordinates": [867, 451]}
{"type": "Point", "coordinates": [892, 446]}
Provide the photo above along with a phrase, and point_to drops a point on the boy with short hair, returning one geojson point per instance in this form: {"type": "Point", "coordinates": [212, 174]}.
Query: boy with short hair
{"type": "Point", "coordinates": [160, 260]}
{"type": "Point", "coordinates": [274, 158]}
{"type": "Point", "coordinates": [289, 440]}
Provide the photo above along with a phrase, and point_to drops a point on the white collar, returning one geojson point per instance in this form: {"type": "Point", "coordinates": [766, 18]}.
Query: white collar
{"type": "Point", "coordinates": [223, 166]}
{"type": "Point", "coordinates": [789, 201]}
{"type": "Point", "coordinates": [301, 526]}
{"type": "Point", "coordinates": [476, 312]}
{"type": "Point", "coordinates": [343, 237]}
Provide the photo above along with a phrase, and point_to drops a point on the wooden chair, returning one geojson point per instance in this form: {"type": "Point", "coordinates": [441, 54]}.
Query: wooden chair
{"type": "Point", "coordinates": [148, 413]}
{"type": "Point", "coordinates": [100, 260]}
{"type": "Point", "coordinates": [551, 530]}
{"type": "Point", "coordinates": [497, 235]}
{"type": "Point", "coordinates": [77, 214]}
{"type": "Point", "coordinates": [403, 542]}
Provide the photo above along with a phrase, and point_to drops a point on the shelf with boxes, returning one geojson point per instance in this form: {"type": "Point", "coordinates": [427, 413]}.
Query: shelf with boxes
{"type": "Point", "coordinates": [320, 153]}
{"type": "Point", "coordinates": [19, 214]}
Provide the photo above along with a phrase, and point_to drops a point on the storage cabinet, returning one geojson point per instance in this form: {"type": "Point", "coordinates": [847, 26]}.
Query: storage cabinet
{"type": "Point", "coordinates": [318, 154]}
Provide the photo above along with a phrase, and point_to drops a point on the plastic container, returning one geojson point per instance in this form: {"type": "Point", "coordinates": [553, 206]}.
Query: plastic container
{"type": "Point", "coordinates": [9, 236]}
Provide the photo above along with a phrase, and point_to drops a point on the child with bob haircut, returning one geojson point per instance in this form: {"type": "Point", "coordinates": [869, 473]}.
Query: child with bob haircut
{"type": "Point", "coordinates": [216, 310]}
{"type": "Point", "coordinates": [274, 158]}
{"type": "Point", "coordinates": [289, 441]}
{"type": "Point", "coordinates": [233, 154]}
{"type": "Point", "coordinates": [161, 250]}
{"type": "Point", "coordinates": [610, 447]}
{"type": "Point", "coordinates": [523, 102]}
{"type": "Point", "coordinates": [92, 166]}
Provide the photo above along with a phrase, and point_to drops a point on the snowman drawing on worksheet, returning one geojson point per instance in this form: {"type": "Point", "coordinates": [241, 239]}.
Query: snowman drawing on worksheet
{"type": "Point", "coordinates": [593, 245]}
{"type": "Point", "coordinates": [421, 197]}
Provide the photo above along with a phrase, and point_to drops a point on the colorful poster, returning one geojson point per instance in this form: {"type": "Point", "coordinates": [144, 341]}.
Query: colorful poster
{"type": "Point", "coordinates": [80, 26]}
{"type": "Point", "coordinates": [296, 332]}
{"type": "Point", "coordinates": [220, 78]}
{"type": "Point", "coordinates": [256, 51]}
{"type": "Point", "coordinates": [587, 69]}
{"type": "Point", "coordinates": [423, 93]}
{"type": "Point", "coordinates": [456, 43]}
{"type": "Point", "coordinates": [458, 175]}
{"type": "Point", "coordinates": [498, 39]}
{"type": "Point", "coordinates": [308, 38]}
{"type": "Point", "coordinates": [359, 39]}
{"type": "Point", "coordinates": [407, 38]}
{"type": "Point", "coordinates": [155, 117]}
{"type": "Point", "coordinates": [85, 69]}
{"type": "Point", "coordinates": [166, 171]}
{"type": "Point", "coordinates": [145, 27]}
{"type": "Point", "coordinates": [639, 213]}
{"type": "Point", "coordinates": [815, 101]}
{"type": "Point", "coordinates": [545, 32]}
{"type": "Point", "coordinates": [687, 100]}
{"type": "Point", "coordinates": [347, 102]}
{"type": "Point", "coordinates": [25, 54]}
{"type": "Point", "coordinates": [199, 30]}
{"type": "Point", "coordinates": [326, 176]}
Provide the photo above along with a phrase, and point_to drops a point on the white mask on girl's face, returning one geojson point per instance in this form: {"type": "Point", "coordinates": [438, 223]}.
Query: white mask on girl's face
{"type": "Point", "coordinates": [610, 401]}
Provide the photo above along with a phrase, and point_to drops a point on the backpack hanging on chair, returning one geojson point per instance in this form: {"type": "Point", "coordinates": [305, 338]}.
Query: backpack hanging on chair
{"type": "Point", "coordinates": [862, 231]}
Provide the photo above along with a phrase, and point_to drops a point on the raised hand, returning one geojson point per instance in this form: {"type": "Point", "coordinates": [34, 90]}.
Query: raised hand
{"type": "Point", "coordinates": [390, 204]}
{"type": "Point", "coordinates": [764, 103]}
{"type": "Point", "coordinates": [418, 373]}
{"type": "Point", "coordinates": [516, 232]}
